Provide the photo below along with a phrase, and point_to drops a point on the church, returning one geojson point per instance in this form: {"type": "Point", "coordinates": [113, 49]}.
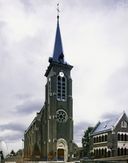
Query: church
{"type": "Point", "coordinates": [50, 134]}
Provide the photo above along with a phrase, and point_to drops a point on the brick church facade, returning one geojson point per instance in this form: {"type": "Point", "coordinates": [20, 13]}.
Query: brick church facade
{"type": "Point", "coordinates": [50, 135]}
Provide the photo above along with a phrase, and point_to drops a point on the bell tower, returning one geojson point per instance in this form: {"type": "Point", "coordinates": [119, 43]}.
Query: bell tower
{"type": "Point", "coordinates": [58, 102]}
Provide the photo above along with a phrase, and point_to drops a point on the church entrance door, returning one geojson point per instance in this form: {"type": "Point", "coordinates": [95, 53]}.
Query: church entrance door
{"type": "Point", "coordinates": [61, 154]}
{"type": "Point", "coordinates": [62, 150]}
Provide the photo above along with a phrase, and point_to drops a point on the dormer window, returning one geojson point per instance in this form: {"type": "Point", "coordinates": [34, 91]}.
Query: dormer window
{"type": "Point", "coordinates": [123, 124]}
{"type": "Point", "coordinates": [61, 87]}
{"type": "Point", "coordinates": [105, 125]}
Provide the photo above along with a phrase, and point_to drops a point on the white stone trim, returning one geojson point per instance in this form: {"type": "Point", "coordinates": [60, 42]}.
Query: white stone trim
{"type": "Point", "coordinates": [101, 142]}
{"type": "Point", "coordinates": [122, 144]}
{"type": "Point", "coordinates": [122, 133]}
{"type": "Point", "coordinates": [102, 147]}
{"type": "Point", "coordinates": [100, 135]}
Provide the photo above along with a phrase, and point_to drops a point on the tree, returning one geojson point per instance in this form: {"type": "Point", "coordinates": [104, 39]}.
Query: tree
{"type": "Point", "coordinates": [86, 142]}
{"type": "Point", "coordinates": [1, 155]}
{"type": "Point", "coordinates": [12, 153]}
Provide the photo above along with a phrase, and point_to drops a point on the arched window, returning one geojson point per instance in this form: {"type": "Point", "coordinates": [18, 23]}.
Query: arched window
{"type": "Point", "coordinates": [58, 87]}
{"type": "Point", "coordinates": [100, 138]}
{"type": "Point", "coordinates": [105, 137]}
{"type": "Point", "coordinates": [61, 87]}
{"type": "Point", "coordinates": [94, 152]}
{"type": "Point", "coordinates": [121, 151]}
{"type": "Point", "coordinates": [109, 153]}
{"type": "Point", "coordinates": [105, 152]}
{"type": "Point", "coordinates": [97, 139]}
{"type": "Point", "coordinates": [102, 152]}
{"type": "Point", "coordinates": [125, 151]}
{"type": "Point", "coordinates": [97, 153]}
{"type": "Point", "coordinates": [94, 139]}
{"type": "Point", "coordinates": [118, 151]}
{"type": "Point", "coordinates": [121, 137]}
{"type": "Point", "coordinates": [118, 137]}
{"type": "Point", "coordinates": [124, 137]}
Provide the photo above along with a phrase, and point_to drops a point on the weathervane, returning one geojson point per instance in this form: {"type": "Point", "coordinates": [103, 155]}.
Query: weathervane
{"type": "Point", "coordinates": [58, 10]}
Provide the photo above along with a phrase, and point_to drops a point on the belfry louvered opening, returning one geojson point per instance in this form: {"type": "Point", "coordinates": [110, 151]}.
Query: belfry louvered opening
{"type": "Point", "coordinates": [61, 88]}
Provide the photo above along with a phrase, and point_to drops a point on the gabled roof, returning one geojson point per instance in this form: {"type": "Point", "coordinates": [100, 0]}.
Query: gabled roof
{"type": "Point", "coordinates": [107, 125]}
{"type": "Point", "coordinates": [36, 118]}
{"type": "Point", "coordinates": [58, 55]}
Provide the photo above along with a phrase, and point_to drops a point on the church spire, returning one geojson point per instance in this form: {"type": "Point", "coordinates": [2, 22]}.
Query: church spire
{"type": "Point", "coordinates": [58, 55]}
{"type": "Point", "coordinates": [57, 58]}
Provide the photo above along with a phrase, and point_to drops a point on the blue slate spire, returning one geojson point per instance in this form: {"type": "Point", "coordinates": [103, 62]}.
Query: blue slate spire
{"type": "Point", "coordinates": [58, 55]}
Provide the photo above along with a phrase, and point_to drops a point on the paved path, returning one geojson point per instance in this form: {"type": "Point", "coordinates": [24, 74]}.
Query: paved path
{"type": "Point", "coordinates": [42, 162]}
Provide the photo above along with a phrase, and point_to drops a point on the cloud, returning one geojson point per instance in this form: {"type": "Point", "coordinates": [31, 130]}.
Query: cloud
{"type": "Point", "coordinates": [79, 130]}
{"type": "Point", "coordinates": [23, 96]}
{"type": "Point", "coordinates": [38, 3]}
{"type": "Point", "coordinates": [117, 88]}
{"type": "Point", "coordinates": [107, 116]}
{"type": "Point", "coordinates": [13, 138]}
{"type": "Point", "coordinates": [12, 131]}
{"type": "Point", "coordinates": [28, 107]}
{"type": "Point", "coordinates": [97, 5]}
{"type": "Point", "coordinates": [10, 136]}
{"type": "Point", "coordinates": [13, 127]}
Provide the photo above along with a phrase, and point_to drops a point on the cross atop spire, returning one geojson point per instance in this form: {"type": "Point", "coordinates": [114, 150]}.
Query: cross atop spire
{"type": "Point", "coordinates": [58, 10]}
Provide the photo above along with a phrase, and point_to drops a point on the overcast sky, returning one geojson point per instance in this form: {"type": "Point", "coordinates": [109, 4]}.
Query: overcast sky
{"type": "Point", "coordinates": [95, 37]}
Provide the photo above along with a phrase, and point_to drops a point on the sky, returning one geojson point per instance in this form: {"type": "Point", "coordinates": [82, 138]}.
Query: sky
{"type": "Point", "coordinates": [94, 35]}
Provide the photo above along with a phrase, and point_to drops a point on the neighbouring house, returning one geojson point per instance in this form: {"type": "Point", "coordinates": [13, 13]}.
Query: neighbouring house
{"type": "Point", "coordinates": [110, 138]}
